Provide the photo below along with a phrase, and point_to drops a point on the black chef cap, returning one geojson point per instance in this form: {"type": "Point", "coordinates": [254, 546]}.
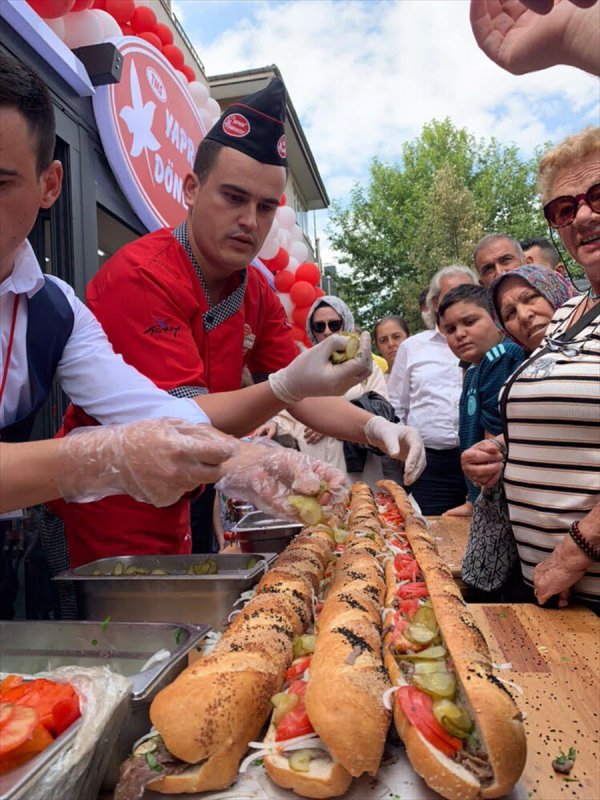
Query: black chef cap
{"type": "Point", "coordinates": [255, 125]}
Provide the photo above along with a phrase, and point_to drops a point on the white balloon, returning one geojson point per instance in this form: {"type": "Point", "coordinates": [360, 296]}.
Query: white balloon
{"type": "Point", "coordinates": [297, 233]}
{"type": "Point", "coordinates": [199, 93]}
{"type": "Point", "coordinates": [299, 250]}
{"type": "Point", "coordinates": [293, 264]}
{"type": "Point", "coordinates": [286, 302]}
{"type": "Point", "coordinates": [82, 28]}
{"type": "Point", "coordinates": [213, 107]}
{"type": "Point", "coordinates": [286, 217]}
{"type": "Point", "coordinates": [110, 26]}
{"type": "Point", "coordinates": [181, 77]}
{"type": "Point", "coordinates": [284, 238]}
{"type": "Point", "coordinates": [58, 26]}
{"type": "Point", "coordinates": [291, 268]}
{"type": "Point", "coordinates": [206, 119]}
{"type": "Point", "coordinates": [270, 247]}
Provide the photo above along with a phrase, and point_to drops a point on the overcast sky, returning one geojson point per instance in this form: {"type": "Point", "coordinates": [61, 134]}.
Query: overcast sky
{"type": "Point", "coordinates": [364, 77]}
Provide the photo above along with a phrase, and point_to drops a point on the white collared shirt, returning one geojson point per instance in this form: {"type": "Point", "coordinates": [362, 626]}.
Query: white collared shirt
{"type": "Point", "coordinates": [90, 372]}
{"type": "Point", "coordinates": [425, 386]}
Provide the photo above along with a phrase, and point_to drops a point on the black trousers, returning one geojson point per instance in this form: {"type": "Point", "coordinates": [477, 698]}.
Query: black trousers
{"type": "Point", "coordinates": [442, 485]}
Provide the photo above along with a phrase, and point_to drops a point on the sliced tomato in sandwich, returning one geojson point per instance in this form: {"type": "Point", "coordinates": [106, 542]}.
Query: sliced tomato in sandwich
{"type": "Point", "coordinates": [408, 608]}
{"type": "Point", "coordinates": [417, 708]}
{"type": "Point", "coordinates": [298, 668]}
{"type": "Point", "coordinates": [294, 723]}
{"type": "Point", "coordinates": [412, 591]}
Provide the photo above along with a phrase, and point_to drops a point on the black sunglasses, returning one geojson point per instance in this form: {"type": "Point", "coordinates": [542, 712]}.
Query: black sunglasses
{"type": "Point", "coordinates": [561, 211]}
{"type": "Point", "coordinates": [334, 326]}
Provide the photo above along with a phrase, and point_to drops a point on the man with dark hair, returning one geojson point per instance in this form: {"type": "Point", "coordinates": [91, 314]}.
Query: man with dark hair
{"type": "Point", "coordinates": [539, 250]}
{"type": "Point", "coordinates": [184, 307]}
{"type": "Point", "coordinates": [495, 254]}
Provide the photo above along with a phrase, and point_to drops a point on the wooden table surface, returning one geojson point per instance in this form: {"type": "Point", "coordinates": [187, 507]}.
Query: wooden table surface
{"type": "Point", "coordinates": [555, 658]}
{"type": "Point", "coordinates": [450, 535]}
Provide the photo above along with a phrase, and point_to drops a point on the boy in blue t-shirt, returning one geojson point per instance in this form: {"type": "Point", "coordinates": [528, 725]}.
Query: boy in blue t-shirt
{"type": "Point", "coordinates": [472, 336]}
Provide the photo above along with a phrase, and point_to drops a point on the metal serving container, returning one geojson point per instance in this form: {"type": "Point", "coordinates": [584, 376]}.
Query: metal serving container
{"type": "Point", "coordinates": [30, 647]}
{"type": "Point", "coordinates": [260, 532]}
{"type": "Point", "coordinates": [176, 596]}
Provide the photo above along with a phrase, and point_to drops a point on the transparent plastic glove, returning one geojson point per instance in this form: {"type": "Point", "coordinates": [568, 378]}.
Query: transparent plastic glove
{"type": "Point", "coordinates": [398, 441]}
{"type": "Point", "coordinates": [312, 374]}
{"type": "Point", "coordinates": [155, 461]}
{"type": "Point", "coordinates": [267, 475]}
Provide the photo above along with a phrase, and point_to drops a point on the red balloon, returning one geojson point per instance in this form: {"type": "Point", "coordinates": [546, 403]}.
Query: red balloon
{"type": "Point", "coordinates": [319, 292]}
{"type": "Point", "coordinates": [100, 5]}
{"type": "Point", "coordinates": [127, 30]}
{"type": "Point", "coordinates": [152, 39]}
{"type": "Point", "coordinates": [307, 342]}
{"type": "Point", "coordinates": [279, 261]}
{"type": "Point", "coordinates": [302, 293]}
{"type": "Point", "coordinates": [284, 281]}
{"type": "Point", "coordinates": [174, 55]}
{"type": "Point", "coordinates": [298, 333]}
{"type": "Point", "coordinates": [308, 272]}
{"type": "Point", "coordinates": [144, 20]}
{"type": "Point", "coordinates": [164, 33]}
{"type": "Point", "coordinates": [189, 73]}
{"type": "Point", "coordinates": [299, 316]}
{"type": "Point", "coordinates": [282, 200]}
{"type": "Point", "coordinates": [121, 10]}
{"type": "Point", "coordinates": [51, 9]}
{"type": "Point", "coordinates": [82, 5]}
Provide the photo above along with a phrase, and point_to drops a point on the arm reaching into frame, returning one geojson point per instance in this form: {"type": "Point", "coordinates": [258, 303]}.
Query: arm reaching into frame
{"type": "Point", "coordinates": [523, 36]}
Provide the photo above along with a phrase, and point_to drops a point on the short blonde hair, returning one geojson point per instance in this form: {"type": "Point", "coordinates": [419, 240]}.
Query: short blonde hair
{"type": "Point", "coordinates": [572, 149]}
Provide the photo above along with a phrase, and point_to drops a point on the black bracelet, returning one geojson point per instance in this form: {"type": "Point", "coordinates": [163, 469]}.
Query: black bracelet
{"type": "Point", "coordinates": [588, 548]}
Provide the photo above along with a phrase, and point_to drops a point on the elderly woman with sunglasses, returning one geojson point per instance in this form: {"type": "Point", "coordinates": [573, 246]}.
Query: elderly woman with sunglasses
{"type": "Point", "coordinates": [329, 315]}
{"type": "Point", "coordinates": [550, 405]}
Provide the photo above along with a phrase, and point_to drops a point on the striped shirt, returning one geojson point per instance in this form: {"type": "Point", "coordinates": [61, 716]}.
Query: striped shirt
{"type": "Point", "coordinates": [552, 475]}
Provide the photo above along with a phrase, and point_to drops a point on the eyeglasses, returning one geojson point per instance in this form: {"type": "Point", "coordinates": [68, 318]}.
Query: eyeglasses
{"type": "Point", "coordinates": [334, 326]}
{"type": "Point", "coordinates": [561, 211]}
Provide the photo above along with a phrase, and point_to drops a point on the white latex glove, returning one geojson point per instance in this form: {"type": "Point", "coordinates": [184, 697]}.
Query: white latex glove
{"type": "Point", "coordinates": [398, 441]}
{"type": "Point", "coordinates": [311, 374]}
{"type": "Point", "coordinates": [155, 461]}
{"type": "Point", "coordinates": [267, 476]}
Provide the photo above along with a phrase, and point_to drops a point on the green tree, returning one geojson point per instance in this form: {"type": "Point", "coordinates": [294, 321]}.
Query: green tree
{"type": "Point", "coordinates": [427, 212]}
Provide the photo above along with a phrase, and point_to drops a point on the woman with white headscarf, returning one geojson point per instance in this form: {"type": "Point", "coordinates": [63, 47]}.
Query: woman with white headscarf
{"type": "Point", "coordinates": [326, 316]}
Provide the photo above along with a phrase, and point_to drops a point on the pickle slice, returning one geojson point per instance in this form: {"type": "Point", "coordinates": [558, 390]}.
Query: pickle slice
{"type": "Point", "coordinates": [340, 535]}
{"type": "Point", "coordinates": [425, 615]}
{"type": "Point", "coordinates": [430, 653]}
{"type": "Point", "coordinates": [437, 684]}
{"type": "Point", "coordinates": [420, 634]}
{"type": "Point", "coordinates": [453, 718]}
{"type": "Point", "coordinates": [118, 569]}
{"type": "Point", "coordinates": [303, 645]}
{"type": "Point", "coordinates": [428, 667]}
{"type": "Point", "coordinates": [309, 509]}
{"type": "Point", "coordinates": [352, 347]}
{"type": "Point", "coordinates": [300, 760]}
{"type": "Point", "coordinates": [282, 703]}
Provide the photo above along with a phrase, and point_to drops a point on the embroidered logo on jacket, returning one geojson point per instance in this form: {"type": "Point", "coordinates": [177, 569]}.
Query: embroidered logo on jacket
{"type": "Point", "coordinates": [161, 326]}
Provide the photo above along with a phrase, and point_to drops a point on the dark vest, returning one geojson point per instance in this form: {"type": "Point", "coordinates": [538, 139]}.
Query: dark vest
{"type": "Point", "coordinates": [50, 321]}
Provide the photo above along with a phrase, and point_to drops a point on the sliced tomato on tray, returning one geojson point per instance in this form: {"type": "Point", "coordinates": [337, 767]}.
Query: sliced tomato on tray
{"type": "Point", "coordinates": [18, 727]}
{"type": "Point", "coordinates": [38, 741]}
{"type": "Point", "coordinates": [417, 708]}
{"type": "Point", "coordinates": [294, 723]}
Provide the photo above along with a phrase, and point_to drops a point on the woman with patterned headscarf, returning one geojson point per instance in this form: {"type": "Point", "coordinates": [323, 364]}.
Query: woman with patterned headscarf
{"type": "Point", "coordinates": [524, 300]}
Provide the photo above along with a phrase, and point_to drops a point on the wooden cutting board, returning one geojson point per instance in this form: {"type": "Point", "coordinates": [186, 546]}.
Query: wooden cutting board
{"type": "Point", "coordinates": [450, 535]}
{"type": "Point", "coordinates": [555, 658]}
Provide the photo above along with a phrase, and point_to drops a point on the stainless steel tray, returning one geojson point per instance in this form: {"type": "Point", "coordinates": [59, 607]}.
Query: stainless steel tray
{"type": "Point", "coordinates": [30, 647]}
{"type": "Point", "coordinates": [258, 531]}
{"type": "Point", "coordinates": [176, 596]}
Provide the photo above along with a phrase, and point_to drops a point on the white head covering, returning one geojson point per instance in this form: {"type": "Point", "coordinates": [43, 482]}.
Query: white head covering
{"type": "Point", "coordinates": [339, 306]}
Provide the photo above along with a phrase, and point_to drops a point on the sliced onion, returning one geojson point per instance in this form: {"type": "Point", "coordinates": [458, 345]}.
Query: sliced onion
{"type": "Point", "coordinates": [162, 655]}
{"type": "Point", "coordinates": [234, 614]}
{"type": "Point", "coordinates": [153, 732]}
{"type": "Point", "coordinates": [514, 685]}
{"type": "Point", "coordinates": [351, 657]}
{"type": "Point", "coordinates": [248, 595]}
{"type": "Point", "coordinates": [279, 748]}
{"type": "Point", "coordinates": [387, 697]}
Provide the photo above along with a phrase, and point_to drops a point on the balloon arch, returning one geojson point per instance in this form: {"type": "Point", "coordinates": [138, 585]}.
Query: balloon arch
{"type": "Point", "coordinates": [79, 23]}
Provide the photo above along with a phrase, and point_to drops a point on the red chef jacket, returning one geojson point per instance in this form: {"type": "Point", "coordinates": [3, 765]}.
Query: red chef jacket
{"type": "Point", "coordinates": [149, 298]}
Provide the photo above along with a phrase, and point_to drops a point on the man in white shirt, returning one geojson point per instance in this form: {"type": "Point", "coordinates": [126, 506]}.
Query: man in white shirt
{"type": "Point", "coordinates": [425, 386]}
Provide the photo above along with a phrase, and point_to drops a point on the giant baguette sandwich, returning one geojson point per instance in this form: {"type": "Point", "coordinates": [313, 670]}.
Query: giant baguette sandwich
{"type": "Point", "coordinates": [205, 719]}
{"type": "Point", "coordinates": [462, 730]}
{"type": "Point", "coordinates": [330, 723]}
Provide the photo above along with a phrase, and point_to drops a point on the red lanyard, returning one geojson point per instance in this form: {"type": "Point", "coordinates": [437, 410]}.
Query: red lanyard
{"type": "Point", "coordinates": [11, 339]}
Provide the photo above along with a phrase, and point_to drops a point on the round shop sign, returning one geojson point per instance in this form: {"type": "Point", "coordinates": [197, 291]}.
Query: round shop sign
{"type": "Point", "coordinates": [150, 130]}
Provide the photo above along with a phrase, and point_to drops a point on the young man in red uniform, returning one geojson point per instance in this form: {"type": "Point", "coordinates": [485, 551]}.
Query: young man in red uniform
{"type": "Point", "coordinates": [183, 307]}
